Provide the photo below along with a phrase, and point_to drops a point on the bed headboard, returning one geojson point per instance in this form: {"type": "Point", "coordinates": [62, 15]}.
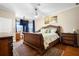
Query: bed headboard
{"type": "Point", "coordinates": [52, 26]}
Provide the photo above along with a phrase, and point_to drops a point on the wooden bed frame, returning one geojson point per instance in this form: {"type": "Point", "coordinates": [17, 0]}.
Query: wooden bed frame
{"type": "Point", "coordinates": [35, 40]}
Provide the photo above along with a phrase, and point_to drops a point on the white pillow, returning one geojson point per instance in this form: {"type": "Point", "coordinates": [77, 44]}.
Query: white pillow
{"type": "Point", "coordinates": [52, 29]}
{"type": "Point", "coordinates": [43, 30]}
{"type": "Point", "coordinates": [48, 30]}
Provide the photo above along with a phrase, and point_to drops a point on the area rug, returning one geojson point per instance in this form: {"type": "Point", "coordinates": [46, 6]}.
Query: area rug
{"type": "Point", "coordinates": [53, 52]}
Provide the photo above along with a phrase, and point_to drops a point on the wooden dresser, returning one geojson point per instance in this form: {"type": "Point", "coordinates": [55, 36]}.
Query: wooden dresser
{"type": "Point", "coordinates": [69, 38]}
{"type": "Point", "coordinates": [6, 45]}
{"type": "Point", "coordinates": [18, 36]}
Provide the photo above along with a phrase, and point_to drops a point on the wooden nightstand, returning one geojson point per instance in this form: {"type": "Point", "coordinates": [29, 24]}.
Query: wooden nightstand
{"type": "Point", "coordinates": [69, 38]}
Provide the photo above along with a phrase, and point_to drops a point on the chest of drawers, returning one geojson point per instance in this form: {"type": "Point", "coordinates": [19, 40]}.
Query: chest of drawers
{"type": "Point", "coordinates": [69, 38]}
{"type": "Point", "coordinates": [6, 46]}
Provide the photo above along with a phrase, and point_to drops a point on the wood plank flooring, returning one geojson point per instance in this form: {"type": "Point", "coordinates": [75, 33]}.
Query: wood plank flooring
{"type": "Point", "coordinates": [21, 49]}
{"type": "Point", "coordinates": [68, 50]}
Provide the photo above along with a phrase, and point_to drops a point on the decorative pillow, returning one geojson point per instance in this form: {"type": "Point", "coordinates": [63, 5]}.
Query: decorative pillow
{"type": "Point", "coordinates": [52, 30]}
{"type": "Point", "coordinates": [48, 30]}
{"type": "Point", "coordinates": [43, 30]}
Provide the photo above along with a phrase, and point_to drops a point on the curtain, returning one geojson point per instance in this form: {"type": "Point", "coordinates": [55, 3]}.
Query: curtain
{"type": "Point", "coordinates": [33, 25]}
{"type": "Point", "coordinates": [24, 23]}
{"type": "Point", "coordinates": [27, 26]}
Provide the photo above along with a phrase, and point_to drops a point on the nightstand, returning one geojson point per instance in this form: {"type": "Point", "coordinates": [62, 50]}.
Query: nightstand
{"type": "Point", "coordinates": [69, 38]}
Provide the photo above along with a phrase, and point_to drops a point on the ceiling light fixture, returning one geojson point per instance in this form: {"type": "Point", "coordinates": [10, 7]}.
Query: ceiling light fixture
{"type": "Point", "coordinates": [36, 10]}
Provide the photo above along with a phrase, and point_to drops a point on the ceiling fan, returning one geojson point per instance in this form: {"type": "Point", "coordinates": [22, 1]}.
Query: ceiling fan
{"type": "Point", "coordinates": [77, 3]}
{"type": "Point", "coordinates": [38, 10]}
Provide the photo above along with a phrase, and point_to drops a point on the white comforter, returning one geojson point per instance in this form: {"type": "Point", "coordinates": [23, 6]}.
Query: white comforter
{"type": "Point", "coordinates": [48, 38]}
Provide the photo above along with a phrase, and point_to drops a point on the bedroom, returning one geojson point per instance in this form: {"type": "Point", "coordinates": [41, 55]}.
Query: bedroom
{"type": "Point", "coordinates": [37, 18]}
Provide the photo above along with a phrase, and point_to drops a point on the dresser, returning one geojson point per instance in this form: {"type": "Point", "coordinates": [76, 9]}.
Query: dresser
{"type": "Point", "coordinates": [18, 36]}
{"type": "Point", "coordinates": [69, 38]}
{"type": "Point", "coordinates": [6, 45]}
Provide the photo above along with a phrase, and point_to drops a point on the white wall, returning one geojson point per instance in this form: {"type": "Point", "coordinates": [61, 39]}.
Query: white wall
{"type": "Point", "coordinates": [39, 22]}
{"type": "Point", "coordinates": [69, 19]}
{"type": "Point", "coordinates": [5, 25]}
{"type": "Point", "coordinates": [7, 17]}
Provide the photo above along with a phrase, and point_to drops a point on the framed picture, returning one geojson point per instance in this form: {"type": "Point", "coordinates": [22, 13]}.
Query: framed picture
{"type": "Point", "coordinates": [49, 19]}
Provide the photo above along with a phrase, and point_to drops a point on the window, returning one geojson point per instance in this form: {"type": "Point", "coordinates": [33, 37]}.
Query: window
{"type": "Point", "coordinates": [31, 26]}
{"type": "Point", "coordinates": [19, 28]}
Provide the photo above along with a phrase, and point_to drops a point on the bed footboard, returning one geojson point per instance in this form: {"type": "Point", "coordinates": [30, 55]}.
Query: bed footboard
{"type": "Point", "coordinates": [34, 40]}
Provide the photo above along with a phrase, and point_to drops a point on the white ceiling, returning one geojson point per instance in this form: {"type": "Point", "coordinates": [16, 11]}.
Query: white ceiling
{"type": "Point", "coordinates": [27, 9]}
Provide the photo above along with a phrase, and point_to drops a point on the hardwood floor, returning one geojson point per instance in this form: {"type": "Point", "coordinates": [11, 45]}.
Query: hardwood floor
{"type": "Point", "coordinates": [68, 50]}
{"type": "Point", "coordinates": [21, 49]}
